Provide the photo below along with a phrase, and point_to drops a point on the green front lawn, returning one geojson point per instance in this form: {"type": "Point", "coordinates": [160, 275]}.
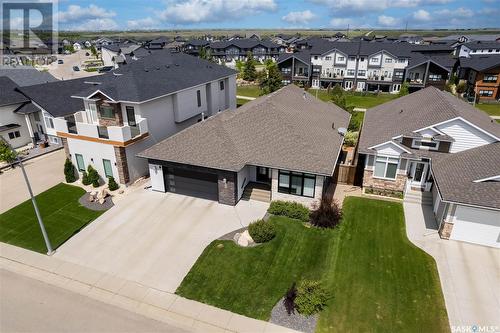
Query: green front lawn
{"type": "Point", "coordinates": [62, 215]}
{"type": "Point", "coordinates": [491, 109]}
{"type": "Point", "coordinates": [241, 101]}
{"type": "Point", "coordinates": [248, 91]}
{"type": "Point", "coordinates": [357, 100]}
{"type": "Point", "coordinates": [380, 282]}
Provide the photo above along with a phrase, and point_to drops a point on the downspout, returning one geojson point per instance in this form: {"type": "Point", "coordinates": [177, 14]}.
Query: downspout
{"type": "Point", "coordinates": [426, 74]}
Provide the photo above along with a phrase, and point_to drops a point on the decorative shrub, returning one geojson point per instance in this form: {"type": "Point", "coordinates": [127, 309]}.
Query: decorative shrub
{"type": "Point", "coordinates": [351, 138]}
{"type": "Point", "coordinates": [327, 214]}
{"type": "Point", "coordinates": [261, 231]}
{"type": "Point", "coordinates": [289, 300]}
{"type": "Point", "coordinates": [311, 297]}
{"type": "Point", "coordinates": [69, 171]}
{"type": "Point", "coordinates": [85, 179]}
{"type": "Point", "coordinates": [93, 176]}
{"type": "Point", "coordinates": [289, 209]}
{"type": "Point", "coordinates": [112, 185]}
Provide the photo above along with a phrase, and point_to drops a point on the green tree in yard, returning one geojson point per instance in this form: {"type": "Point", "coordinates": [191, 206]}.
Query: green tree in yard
{"type": "Point", "coordinates": [205, 54]}
{"type": "Point", "coordinates": [69, 171]}
{"type": "Point", "coordinates": [7, 155]}
{"type": "Point", "coordinates": [249, 71]}
{"type": "Point", "coordinates": [404, 89]}
{"type": "Point", "coordinates": [338, 96]}
{"type": "Point", "coordinates": [240, 66]}
{"type": "Point", "coordinates": [271, 79]}
{"type": "Point", "coordinates": [69, 48]}
{"type": "Point", "coordinates": [112, 185]}
{"type": "Point", "coordinates": [93, 50]}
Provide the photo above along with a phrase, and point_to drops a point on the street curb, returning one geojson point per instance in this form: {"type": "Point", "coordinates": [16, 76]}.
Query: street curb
{"type": "Point", "coordinates": [129, 295]}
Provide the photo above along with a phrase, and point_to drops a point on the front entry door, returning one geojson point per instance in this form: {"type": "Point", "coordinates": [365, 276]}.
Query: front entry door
{"type": "Point", "coordinates": [263, 174]}
{"type": "Point", "coordinates": [419, 173]}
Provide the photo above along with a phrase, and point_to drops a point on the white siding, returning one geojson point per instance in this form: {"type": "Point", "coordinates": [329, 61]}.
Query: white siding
{"type": "Point", "coordinates": [93, 153]}
{"type": "Point", "coordinates": [389, 149]}
{"type": "Point", "coordinates": [157, 181]}
{"type": "Point", "coordinates": [466, 136]}
{"type": "Point", "coordinates": [475, 225]}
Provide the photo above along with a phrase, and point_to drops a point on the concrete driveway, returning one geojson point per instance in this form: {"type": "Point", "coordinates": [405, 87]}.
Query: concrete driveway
{"type": "Point", "coordinates": [65, 70]}
{"type": "Point", "coordinates": [470, 274]}
{"type": "Point", "coordinates": [43, 172]}
{"type": "Point", "coordinates": [155, 238]}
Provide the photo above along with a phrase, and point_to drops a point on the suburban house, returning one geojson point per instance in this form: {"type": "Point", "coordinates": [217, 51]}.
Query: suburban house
{"type": "Point", "coordinates": [237, 49]}
{"type": "Point", "coordinates": [115, 54]}
{"type": "Point", "coordinates": [478, 48]}
{"type": "Point", "coordinates": [482, 74]}
{"type": "Point", "coordinates": [367, 66]}
{"type": "Point", "coordinates": [409, 145]}
{"type": "Point", "coordinates": [283, 146]}
{"type": "Point", "coordinates": [105, 120]}
{"type": "Point", "coordinates": [194, 46]}
{"type": "Point", "coordinates": [21, 122]}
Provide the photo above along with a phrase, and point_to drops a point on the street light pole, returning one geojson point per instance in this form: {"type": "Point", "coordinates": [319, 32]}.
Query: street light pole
{"type": "Point", "coordinates": [33, 200]}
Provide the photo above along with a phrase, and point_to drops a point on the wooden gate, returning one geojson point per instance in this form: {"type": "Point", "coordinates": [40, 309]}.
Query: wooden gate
{"type": "Point", "coordinates": [345, 174]}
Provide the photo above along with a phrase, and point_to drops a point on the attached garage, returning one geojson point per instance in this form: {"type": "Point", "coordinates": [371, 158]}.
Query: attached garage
{"type": "Point", "coordinates": [475, 225]}
{"type": "Point", "coordinates": [192, 183]}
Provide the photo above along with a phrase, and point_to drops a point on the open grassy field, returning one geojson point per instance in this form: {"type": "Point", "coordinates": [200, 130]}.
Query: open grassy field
{"type": "Point", "coordinates": [62, 215]}
{"type": "Point", "coordinates": [491, 109]}
{"type": "Point", "coordinates": [357, 100]}
{"type": "Point", "coordinates": [379, 281]}
{"type": "Point", "coordinates": [248, 91]}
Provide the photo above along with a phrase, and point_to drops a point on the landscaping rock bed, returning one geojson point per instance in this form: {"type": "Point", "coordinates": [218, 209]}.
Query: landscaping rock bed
{"type": "Point", "coordinates": [84, 201]}
{"type": "Point", "coordinates": [295, 320]}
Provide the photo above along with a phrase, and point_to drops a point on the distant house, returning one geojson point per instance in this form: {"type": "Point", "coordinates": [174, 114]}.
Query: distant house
{"type": "Point", "coordinates": [194, 46]}
{"type": "Point", "coordinates": [284, 145]}
{"type": "Point", "coordinates": [478, 48]}
{"type": "Point", "coordinates": [115, 54]}
{"type": "Point", "coordinates": [237, 49]}
{"type": "Point", "coordinates": [423, 71]}
{"type": "Point", "coordinates": [482, 74]}
{"type": "Point", "coordinates": [434, 146]}
{"type": "Point", "coordinates": [158, 43]}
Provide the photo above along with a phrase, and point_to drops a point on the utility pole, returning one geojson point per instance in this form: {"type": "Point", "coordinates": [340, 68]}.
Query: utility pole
{"type": "Point", "coordinates": [33, 200]}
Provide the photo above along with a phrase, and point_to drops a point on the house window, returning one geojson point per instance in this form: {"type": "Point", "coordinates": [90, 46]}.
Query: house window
{"type": "Point", "coordinates": [198, 97]}
{"type": "Point", "coordinates": [388, 60]}
{"type": "Point", "coordinates": [352, 58]}
{"type": "Point", "coordinates": [340, 59]}
{"type": "Point", "coordinates": [374, 60]}
{"type": "Point", "coordinates": [490, 78]}
{"type": "Point", "coordinates": [286, 70]}
{"type": "Point", "coordinates": [221, 84]}
{"type": "Point", "coordinates": [315, 57]}
{"type": "Point", "coordinates": [79, 162]}
{"type": "Point", "coordinates": [350, 72]}
{"type": "Point", "coordinates": [386, 167]}
{"type": "Point", "coordinates": [108, 171]}
{"type": "Point", "coordinates": [434, 77]}
{"type": "Point", "coordinates": [362, 73]}
{"type": "Point", "coordinates": [13, 135]}
{"type": "Point", "coordinates": [106, 111]}
{"type": "Point", "coordinates": [328, 58]}
{"type": "Point", "coordinates": [362, 59]}
{"type": "Point", "coordinates": [49, 122]}
{"type": "Point", "coordinates": [486, 93]}
{"type": "Point", "coordinates": [296, 183]}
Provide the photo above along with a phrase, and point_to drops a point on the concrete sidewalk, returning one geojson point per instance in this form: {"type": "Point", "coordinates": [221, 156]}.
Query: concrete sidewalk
{"type": "Point", "coordinates": [469, 274]}
{"type": "Point", "coordinates": [132, 296]}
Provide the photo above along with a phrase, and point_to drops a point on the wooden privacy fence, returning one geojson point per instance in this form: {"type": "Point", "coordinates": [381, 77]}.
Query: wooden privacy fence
{"type": "Point", "coordinates": [345, 174]}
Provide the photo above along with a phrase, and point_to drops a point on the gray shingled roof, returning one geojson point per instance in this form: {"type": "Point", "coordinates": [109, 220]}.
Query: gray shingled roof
{"type": "Point", "coordinates": [27, 108]}
{"type": "Point", "coordinates": [480, 62]}
{"type": "Point", "coordinates": [8, 93]}
{"type": "Point", "coordinates": [479, 45]}
{"type": "Point", "coordinates": [244, 43]}
{"type": "Point", "coordinates": [26, 75]}
{"type": "Point", "coordinates": [455, 174]}
{"type": "Point", "coordinates": [420, 109]}
{"type": "Point", "coordinates": [288, 129]}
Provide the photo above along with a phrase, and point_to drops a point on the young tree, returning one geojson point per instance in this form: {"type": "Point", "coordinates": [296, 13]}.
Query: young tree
{"type": "Point", "coordinates": [338, 97]}
{"type": "Point", "coordinates": [93, 51]}
{"type": "Point", "coordinates": [404, 89]}
{"type": "Point", "coordinates": [271, 79]}
{"type": "Point", "coordinates": [205, 54]}
{"type": "Point", "coordinates": [7, 155]}
{"type": "Point", "coordinates": [69, 171]}
{"type": "Point", "coordinates": [249, 71]}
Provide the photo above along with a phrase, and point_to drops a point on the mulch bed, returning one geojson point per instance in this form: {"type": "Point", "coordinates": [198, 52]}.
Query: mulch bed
{"type": "Point", "coordinates": [295, 320]}
{"type": "Point", "coordinates": [95, 205]}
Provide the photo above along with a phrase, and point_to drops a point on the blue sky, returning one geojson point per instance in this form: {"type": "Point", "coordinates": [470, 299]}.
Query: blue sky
{"type": "Point", "coordinates": [334, 14]}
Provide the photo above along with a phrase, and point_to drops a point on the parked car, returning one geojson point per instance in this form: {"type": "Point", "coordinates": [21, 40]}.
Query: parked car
{"type": "Point", "coordinates": [105, 69]}
{"type": "Point", "coordinates": [76, 68]}
{"type": "Point", "coordinates": [60, 61]}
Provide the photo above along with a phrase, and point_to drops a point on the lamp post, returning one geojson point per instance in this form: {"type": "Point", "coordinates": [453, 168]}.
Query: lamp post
{"type": "Point", "coordinates": [33, 200]}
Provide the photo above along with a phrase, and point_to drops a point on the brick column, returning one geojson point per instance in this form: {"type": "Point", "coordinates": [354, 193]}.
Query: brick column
{"type": "Point", "coordinates": [66, 147]}
{"type": "Point", "coordinates": [121, 165]}
{"type": "Point", "coordinates": [227, 189]}
{"type": "Point", "coordinates": [445, 230]}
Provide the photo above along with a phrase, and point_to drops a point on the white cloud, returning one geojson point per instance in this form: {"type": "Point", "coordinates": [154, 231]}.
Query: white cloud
{"type": "Point", "coordinates": [145, 23]}
{"type": "Point", "coordinates": [77, 13]}
{"type": "Point", "coordinates": [341, 22]}
{"type": "Point", "coordinates": [455, 13]}
{"type": "Point", "coordinates": [387, 21]}
{"type": "Point", "coordinates": [422, 15]}
{"type": "Point", "coordinates": [365, 6]}
{"type": "Point", "coordinates": [97, 24]}
{"type": "Point", "coordinates": [196, 11]}
{"type": "Point", "coordinates": [303, 17]}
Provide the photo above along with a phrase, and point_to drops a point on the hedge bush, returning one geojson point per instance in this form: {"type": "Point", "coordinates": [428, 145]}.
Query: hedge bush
{"type": "Point", "coordinates": [310, 297]}
{"type": "Point", "coordinates": [93, 176]}
{"type": "Point", "coordinates": [112, 185]}
{"type": "Point", "coordinates": [69, 171]}
{"type": "Point", "coordinates": [85, 178]}
{"type": "Point", "coordinates": [261, 231]}
{"type": "Point", "coordinates": [289, 209]}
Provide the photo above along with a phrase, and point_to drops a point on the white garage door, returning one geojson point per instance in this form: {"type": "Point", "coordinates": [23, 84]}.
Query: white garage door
{"type": "Point", "coordinates": [480, 226]}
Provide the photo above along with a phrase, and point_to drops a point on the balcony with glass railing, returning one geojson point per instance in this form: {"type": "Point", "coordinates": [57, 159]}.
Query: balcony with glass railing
{"type": "Point", "coordinates": [78, 125]}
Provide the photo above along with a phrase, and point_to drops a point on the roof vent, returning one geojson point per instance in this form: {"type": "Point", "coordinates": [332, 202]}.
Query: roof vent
{"type": "Point", "coordinates": [401, 111]}
{"type": "Point", "coordinates": [342, 131]}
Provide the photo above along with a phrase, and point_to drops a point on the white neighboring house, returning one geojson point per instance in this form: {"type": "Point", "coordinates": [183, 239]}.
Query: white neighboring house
{"type": "Point", "coordinates": [115, 54]}
{"type": "Point", "coordinates": [478, 49]}
{"type": "Point", "coordinates": [105, 121]}
{"type": "Point", "coordinates": [433, 145]}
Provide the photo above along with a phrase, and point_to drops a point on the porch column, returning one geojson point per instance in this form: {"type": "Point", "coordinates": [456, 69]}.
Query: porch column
{"type": "Point", "coordinates": [30, 128]}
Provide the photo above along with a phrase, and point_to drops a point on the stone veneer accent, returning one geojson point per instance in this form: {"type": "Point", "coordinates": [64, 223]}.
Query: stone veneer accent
{"type": "Point", "coordinates": [227, 190]}
{"type": "Point", "coordinates": [445, 230]}
{"type": "Point", "coordinates": [121, 165]}
{"type": "Point", "coordinates": [116, 121]}
{"type": "Point", "coordinates": [394, 185]}
{"type": "Point", "coordinates": [66, 147]}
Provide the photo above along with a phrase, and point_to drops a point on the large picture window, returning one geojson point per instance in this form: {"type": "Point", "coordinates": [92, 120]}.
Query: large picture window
{"type": "Point", "coordinates": [106, 111]}
{"type": "Point", "coordinates": [79, 162]}
{"type": "Point", "coordinates": [386, 167]}
{"type": "Point", "coordinates": [296, 183]}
